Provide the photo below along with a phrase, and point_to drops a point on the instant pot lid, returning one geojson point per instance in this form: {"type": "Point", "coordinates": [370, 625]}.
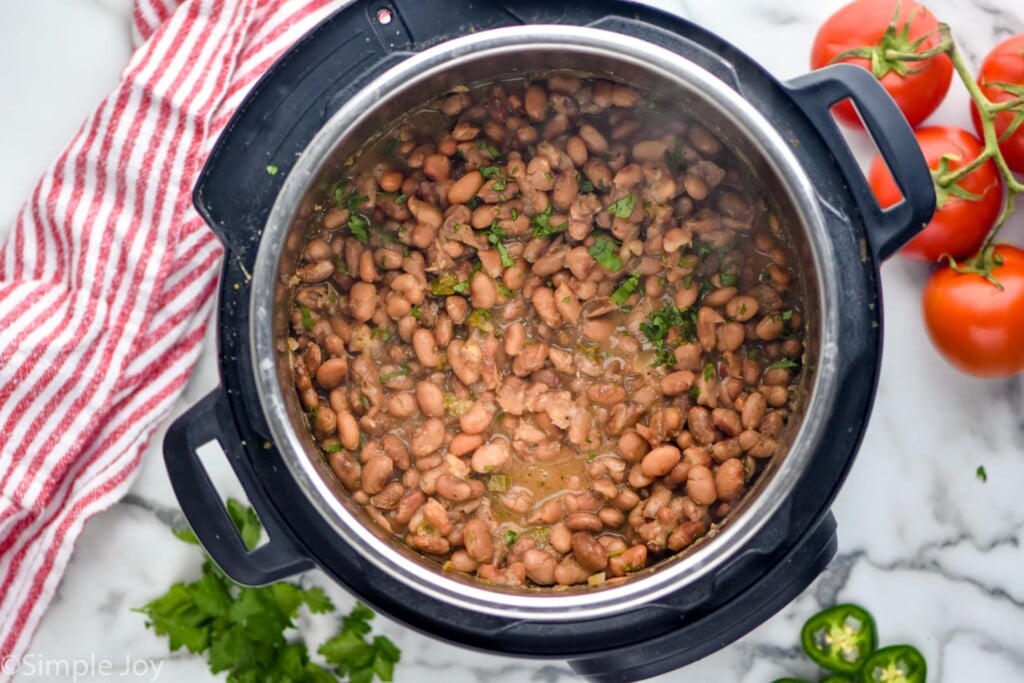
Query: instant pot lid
{"type": "Point", "coordinates": [500, 54]}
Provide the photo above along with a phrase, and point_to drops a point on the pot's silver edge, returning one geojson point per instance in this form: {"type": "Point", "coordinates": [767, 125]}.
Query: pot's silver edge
{"type": "Point", "coordinates": [539, 606]}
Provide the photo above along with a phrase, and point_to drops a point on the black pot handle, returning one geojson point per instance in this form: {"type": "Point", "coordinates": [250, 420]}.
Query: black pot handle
{"type": "Point", "coordinates": [887, 229]}
{"type": "Point", "coordinates": [211, 420]}
{"type": "Point", "coordinates": [780, 584]}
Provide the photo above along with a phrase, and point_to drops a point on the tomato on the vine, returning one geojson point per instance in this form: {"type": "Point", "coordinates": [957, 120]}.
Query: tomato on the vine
{"type": "Point", "coordinates": [1002, 79]}
{"type": "Point", "coordinates": [965, 212]}
{"type": "Point", "coordinates": [976, 325]}
{"type": "Point", "coordinates": [862, 32]}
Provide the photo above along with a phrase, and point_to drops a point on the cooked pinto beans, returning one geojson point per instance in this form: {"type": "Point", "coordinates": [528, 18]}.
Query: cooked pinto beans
{"type": "Point", "coordinates": [552, 341]}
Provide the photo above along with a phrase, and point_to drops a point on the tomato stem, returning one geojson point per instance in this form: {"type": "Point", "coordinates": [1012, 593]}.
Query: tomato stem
{"type": "Point", "coordinates": [982, 262]}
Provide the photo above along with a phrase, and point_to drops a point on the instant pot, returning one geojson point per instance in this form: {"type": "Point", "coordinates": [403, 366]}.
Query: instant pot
{"type": "Point", "coordinates": [352, 76]}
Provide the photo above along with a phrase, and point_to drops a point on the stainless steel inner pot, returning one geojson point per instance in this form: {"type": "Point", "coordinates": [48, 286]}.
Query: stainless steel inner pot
{"type": "Point", "coordinates": [504, 54]}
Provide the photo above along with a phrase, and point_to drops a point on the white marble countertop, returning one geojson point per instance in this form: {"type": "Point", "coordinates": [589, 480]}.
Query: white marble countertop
{"type": "Point", "coordinates": [932, 551]}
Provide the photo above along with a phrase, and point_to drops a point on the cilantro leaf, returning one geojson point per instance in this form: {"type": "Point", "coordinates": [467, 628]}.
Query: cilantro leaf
{"type": "Point", "coordinates": [623, 207]}
{"type": "Point", "coordinates": [272, 169]}
{"type": "Point", "coordinates": [625, 290]}
{"type": "Point", "coordinates": [307, 317]}
{"type": "Point", "coordinates": [242, 630]}
{"type": "Point", "coordinates": [246, 521]}
{"type": "Point", "coordinates": [785, 363]}
{"type": "Point", "coordinates": [542, 224]}
{"type": "Point", "coordinates": [585, 186]}
{"type": "Point", "coordinates": [494, 235]}
{"type": "Point", "coordinates": [494, 173]}
{"type": "Point", "coordinates": [605, 252]}
{"type": "Point", "coordinates": [660, 323]}
{"type": "Point", "coordinates": [981, 474]}
{"type": "Point", "coordinates": [359, 227]}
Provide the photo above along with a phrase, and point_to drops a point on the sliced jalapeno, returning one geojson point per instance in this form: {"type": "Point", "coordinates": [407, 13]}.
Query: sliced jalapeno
{"type": "Point", "coordinates": [895, 664]}
{"type": "Point", "coordinates": [840, 638]}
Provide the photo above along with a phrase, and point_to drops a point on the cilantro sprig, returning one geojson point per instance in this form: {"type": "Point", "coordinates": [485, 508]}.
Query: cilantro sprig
{"type": "Point", "coordinates": [495, 235]}
{"type": "Point", "coordinates": [243, 630]}
{"type": "Point", "coordinates": [542, 224]}
{"type": "Point", "coordinates": [660, 323]}
{"type": "Point", "coordinates": [606, 252]}
{"type": "Point", "coordinates": [625, 290]}
{"type": "Point", "coordinates": [623, 207]}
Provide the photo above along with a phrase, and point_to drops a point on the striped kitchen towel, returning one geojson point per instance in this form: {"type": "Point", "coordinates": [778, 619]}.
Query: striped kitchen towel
{"type": "Point", "coordinates": [107, 279]}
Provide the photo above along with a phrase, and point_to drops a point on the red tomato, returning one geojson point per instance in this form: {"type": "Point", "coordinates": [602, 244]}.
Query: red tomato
{"type": "Point", "coordinates": [976, 326]}
{"type": "Point", "coordinates": [1005, 64]}
{"type": "Point", "coordinates": [959, 225]}
{"type": "Point", "coordinates": [864, 24]}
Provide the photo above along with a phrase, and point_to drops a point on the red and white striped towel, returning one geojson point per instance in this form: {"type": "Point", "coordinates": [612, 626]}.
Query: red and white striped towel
{"type": "Point", "coordinates": [107, 279]}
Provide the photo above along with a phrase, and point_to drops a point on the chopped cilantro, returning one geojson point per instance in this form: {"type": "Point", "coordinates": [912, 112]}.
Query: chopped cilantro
{"type": "Point", "coordinates": [415, 312]}
{"type": "Point", "coordinates": [586, 187]}
{"type": "Point", "coordinates": [625, 290]}
{"type": "Point", "coordinates": [494, 235]}
{"type": "Point", "coordinates": [605, 252]}
{"type": "Point", "coordinates": [307, 317]}
{"type": "Point", "coordinates": [332, 447]}
{"type": "Point", "coordinates": [511, 536]}
{"type": "Point", "coordinates": [542, 224]}
{"type": "Point", "coordinates": [505, 291]}
{"type": "Point", "coordinates": [709, 372]}
{"type": "Point", "coordinates": [401, 199]}
{"type": "Point", "coordinates": [494, 173]}
{"type": "Point", "coordinates": [784, 363]}
{"type": "Point", "coordinates": [491, 150]}
{"type": "Point", "coordinates": [395, 374]}
{"type": "Point", "coordinates": [981, 474]}
{"type": "Point", "coordinates": [271, 169]}
{"type": "Point", "coordinates": [657, 328]}
{"type": "Point", "coordinates": [359, 227]}
{"type": "Point", "coordinates": [446, 285]}
{"type": "Point", "coordinates": [729, 279]}
{"type": "Point", "coordinates": [623, 207]}
{"type": "Point", "coordinates": [341, 268]}
{"type": "Point", "coordinates": [786, 315]}
{"type": "Point", "coordinates": [549, 176]}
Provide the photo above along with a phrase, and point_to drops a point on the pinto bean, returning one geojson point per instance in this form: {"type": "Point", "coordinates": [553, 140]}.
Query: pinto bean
{"type": "Point", "coordinates": [453, 489]}
{"type": "Point", "coordinates": [362, 301]}
{"type": "Point", "coordinates": [753, 410]}
{"type": "Point", "coordinates": [660, 461]}
{"type": "Point", "coordinates": [729, 479]}
{"type": "Point", "coordinates": [477, 418]}
{"type": "Point", "coordinates": [606, 393]}
{"type": "Point", "coordinates": [331, 373]}
{"type": "Point", "coordinates": [478, 541]}
{"type": "Point", "coordinates": [490, 457]}
{"type": "Point", "coordinates": [676, 383]}
{"type": "Point", "coordinates": [465, 188]}
{"type": "Point", "coordinates": [483, 292]}
{"type": "Point", "coordinates": [584, 521]}
{"type": "Point", "coordinates": [425, 346]}
{"type": "Point", "coordinates": [430, 399]}
{"type": "Point", "coordinates": [591, 555]}
{"type": "Point", "coordinates": [428, 438]}
{"type": "Point", "coordinates": [376, 473]}
{"type": "Point", "coordinates": [346, 468]}
{"type": "Point", "coordinates": [699, 421]}
{"type": "Point", "coordinates": [348, 430]}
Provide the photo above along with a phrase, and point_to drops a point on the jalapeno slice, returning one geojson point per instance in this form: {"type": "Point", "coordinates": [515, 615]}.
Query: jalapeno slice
{"type": "Point", "coordinates": [895, 664]}
{"type": "Point", "coordinates": [840, 638]}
